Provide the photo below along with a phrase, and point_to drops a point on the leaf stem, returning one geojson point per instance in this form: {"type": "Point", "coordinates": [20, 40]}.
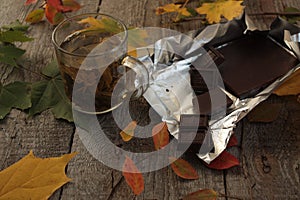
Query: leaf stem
{"type": "Point", "coordinates": [33, 72]}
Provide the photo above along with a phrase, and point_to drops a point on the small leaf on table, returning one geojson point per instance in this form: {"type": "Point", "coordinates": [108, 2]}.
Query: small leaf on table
{"type": "Point", "coordinates": [133, 176]}
{"type": "Point", "coordinates": [160, 135]}
{"type": "Point", "coordinates": [30, 2]}
{"type": "Point", "coordinates": [17, 26]}
{"type": "Point", "coordinates": [183, 169]}
{"type": "Point", "coordinates": [205, 194]}
{"type": "Point", "coordinates": [128, 132]}
{"type": "Point", "coordinates": [11, 36]}
{"type": "Point", "coordinates": [34, 178]}
{"type": "Point", "coordinates": [224, 161]}
{"type": "Point", "coordinates": [232, 141]}
{"type": "Point", "coordinates": [9, 54]}
{"type": "Point", "coordinates": [35, 16]}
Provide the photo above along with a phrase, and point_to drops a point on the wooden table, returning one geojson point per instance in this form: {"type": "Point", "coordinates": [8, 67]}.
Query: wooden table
{"type": "Point", "coordinates": [269, 153]}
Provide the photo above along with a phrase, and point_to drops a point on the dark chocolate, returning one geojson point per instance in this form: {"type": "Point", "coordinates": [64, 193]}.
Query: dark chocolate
{"type": "Point", "coordinates": [192, 121]}
{"type": "Point", "coordinates": [204, 102]}
{"type": "Point", "coordinates": [253, 62]}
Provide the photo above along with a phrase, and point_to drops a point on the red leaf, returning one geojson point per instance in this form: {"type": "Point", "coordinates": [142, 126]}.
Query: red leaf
{"type": "Point", "coordinates": [160, 135]}
{"type": "Point", "coordinates": [35, 16]}
{"type": "Point", "coordinates": [183, 169]}
{"type": "Point", "coordinates": [30, 2]}
{"type": "Point", "coordinates": [52, 14]}
{"type": "Point", "coordinates": [133, 176]}
{"type": "Point", "coordinates": [64, 6]}
{"type": "Point", "coordinates": [232, 141]}
{"type": "Point", "coordinates": [224, 161]}
{"type": "Point", "coordinates": [205, 194]}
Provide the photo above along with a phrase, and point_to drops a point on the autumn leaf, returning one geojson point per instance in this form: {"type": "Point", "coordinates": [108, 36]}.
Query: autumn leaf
{"type": "Point", "coordinates": [232, 141]}
{"type": "Point", "coordinates": [105, 24]}
{"type": "Point", "coordinates": [224, 161]}
{"type": "Point", "coordinates": [34, 178]}
{"type": "Point", "coordinates": [35, 16]}
{"type": "Point", "coordinates": [133, 176]}
{"type": "Point", "coordinates": [160, 135]}
{"type": "Point", "coordinates": [205, 194]}
{"type": "Point", "coordinates": [128, 132]}
{"type": "Point", "coordinates": [183, 169]}
{"type": "Point", "coordinates": [170, 8]}
{"type": "Point", "coordinates": [265, 112]}
{"type": "Point", "coordinates": [30, 2]}
{"type": "Point", "coordinates": [50, 94]}
{"type": "Point", "coordinates": [53, 15]}
{"type": "Point", "coordinates": [14, 95]}
{"type": "Point", "coordinates": [70, 5]}
{"type": "Point", "coordinates": [291, 86]}
{"type": "Point", "coordinates": [229, 9]}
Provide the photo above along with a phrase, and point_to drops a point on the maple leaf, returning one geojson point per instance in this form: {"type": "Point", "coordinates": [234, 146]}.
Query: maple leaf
{"type": "Point", "coordinates": [291, 86]}
{"type": "Point", "coordinates": [224, 161]}
{"type": "Point", "coordinates": [14, 95]}
{"type": "Point", "coordinates": [183, 169]}
{"type": "Point", "coordinates": [35, 16]}
{"type": "Point", "coordinates": [229, 9]}
{"type": "Point", "coordinates": [160, 135]}
{"type": "Point", "coordinates": [34, 178]}
{"type": "Point", "coordinates": [11, 36]}
{"type": "Point", "coordinates": [9, 54]}
{"type": "Point", "coordinates": [28, 2]}
{"type": "Point", "coordinates": [50, 94]}
{"type": "Point", "coordinates": [128, 132]}
{"type": "Point", "coordinates": [205, 194]}
{"type": "Point", "coordinates": [133, 176]}
{"type": "Point", "coordinates": [170, 8]}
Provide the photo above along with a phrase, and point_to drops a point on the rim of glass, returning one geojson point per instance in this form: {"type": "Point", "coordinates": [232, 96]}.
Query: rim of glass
{"type": "Point", "coordinates": [94, 15]}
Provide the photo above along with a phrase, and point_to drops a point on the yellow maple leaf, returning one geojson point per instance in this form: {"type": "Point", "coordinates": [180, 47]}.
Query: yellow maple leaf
{"type": "Point", "coordinates": [291, 86]}
{"type": "Point", "coordinates": [34, 178]}
{"type": "Point", "coordinates": [229, 9]}
{"type": "Point", "coordinates": [128, 132]}
{"type": "Point", "coordinates": [169, 8]}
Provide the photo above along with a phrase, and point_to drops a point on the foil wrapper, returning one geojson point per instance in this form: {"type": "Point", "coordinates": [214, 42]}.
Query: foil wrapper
{"type": "Point", "coordinates": [170, 97]}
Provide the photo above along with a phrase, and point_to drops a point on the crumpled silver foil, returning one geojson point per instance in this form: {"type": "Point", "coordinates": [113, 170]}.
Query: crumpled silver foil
{"type": "Point", "coordinates": [170, 73]}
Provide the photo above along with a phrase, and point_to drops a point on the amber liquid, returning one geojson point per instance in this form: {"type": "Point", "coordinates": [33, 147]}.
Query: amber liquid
{"type": "Point", "coordinates": [90, 71]}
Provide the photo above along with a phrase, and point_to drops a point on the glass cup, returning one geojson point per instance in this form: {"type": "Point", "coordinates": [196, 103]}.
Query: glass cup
{"type": "Point", "coordinates": [91, 50]}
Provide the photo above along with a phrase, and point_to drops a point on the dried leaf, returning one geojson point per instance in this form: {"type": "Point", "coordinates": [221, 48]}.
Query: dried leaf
{"type": "Point", "coordinates": [35, 16]}
{"type": "Point", "coordinates": [205, 194]}
{"type": "Point", "coordinates": [232, 141]}
{"type": "Point", "coordinates": [34, 178]}
{"type": "Point", "coordinates": [229, 9]}
{"type": "Point", "coordinates": [169, 8]}
{"type": "Point", "coordinates": [291, 86]}
{"type": "Point", "coordinates": [104, 24]}
{"type": "Point", "coordinates": [70, 5]}
{"type": "Point", "coordinates": [30, 2]}
{"type": "Point", "coordinates": [224, 161]}
{"type": "Point", "coordinates": [265, 112]}
{"type": "Point", "coordinates": [50, 13]}
{"type": "Point", "coordinates": [128, 132]}
{"type": "Point", "coordinates": [160, 135]}
{"type": "Point", "coordinates": [133, 176]}
{"type": "Point", "coordinates": [14, 95]}
{"type": "Point", "coordinates": [183, 169]}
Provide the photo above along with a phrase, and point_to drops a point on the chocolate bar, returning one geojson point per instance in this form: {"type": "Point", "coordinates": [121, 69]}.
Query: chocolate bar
{"type": "Point", "coordinates": [253, 62]}
{"type": "Point", "coordinates": [189, 125]}
{"type": "Point", "coordinates": [204, 102]}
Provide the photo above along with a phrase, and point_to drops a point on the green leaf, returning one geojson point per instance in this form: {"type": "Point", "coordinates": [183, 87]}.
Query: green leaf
{"type": "Point", "coordinates": [291, 9]}
{"type": "Point", "coordinates": [35, 16]}
{"type": "Point", "coordinates": [11, 36]}
{"type": "Point", "coordinates": [14, 95]}
{"type": "Point", "coordinates": [16, 26]}
{"type": "Point", "coordinates": [50, 94]}
{"type": "Point", "coordinates": [9, 54]}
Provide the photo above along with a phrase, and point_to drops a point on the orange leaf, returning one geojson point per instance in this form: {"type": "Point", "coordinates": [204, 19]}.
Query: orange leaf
{"type": "Point", "coordinates": [183, 169]}
{"type": "Point", "coordinates": [232, 141]}
{"type": "Point", "coordinates": [205, 194]}
{"type": "Point", "coordinates": [160, 135]}
{"type": "Point", "coordinates": [224, 161]}
{"type": "Point", "coordinates": [70, 5]}
{"type": "Point", "coordinates": [133, 176]}
{"type": "Point", "coordinates": [291, 86]}
{"type": "Point", "coordinates": [30, 2]}
{"type": "Point", "coordinates": [34, 178]}
{"type": "Point", "coordinates": [35, 16]}
{"type": "Point", "coordinates": [128, 132]}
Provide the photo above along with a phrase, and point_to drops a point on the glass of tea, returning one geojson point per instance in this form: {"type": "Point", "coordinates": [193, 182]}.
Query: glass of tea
{"type": "Point", "coordinates": [91, 51]}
